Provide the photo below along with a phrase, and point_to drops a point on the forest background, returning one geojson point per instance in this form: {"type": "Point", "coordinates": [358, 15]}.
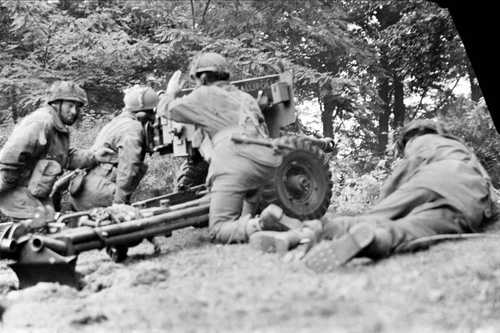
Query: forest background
{"type": "Point", "coordinates": [366, 67]}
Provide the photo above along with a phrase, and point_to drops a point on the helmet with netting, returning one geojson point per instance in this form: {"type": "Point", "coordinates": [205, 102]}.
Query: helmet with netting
{"type": "Point", "coordinates": [209, 62]}
{"type": "Point", "coordinates": [140, 98]}
{"type": "Point", "coordinates": [416, 128]}
{"type": "Point", "coordinates": [67, 91]}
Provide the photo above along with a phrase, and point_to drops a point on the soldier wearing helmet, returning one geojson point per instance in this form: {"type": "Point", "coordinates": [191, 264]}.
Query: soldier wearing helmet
{"type": "Point", "coordinates": [236, 171]}
{"type": "Point", "coordinates": [114, 182]}
{"type": "Point", "coordinates": [439, 187]}
{"type": "Point", "coordinates": [37, 152]}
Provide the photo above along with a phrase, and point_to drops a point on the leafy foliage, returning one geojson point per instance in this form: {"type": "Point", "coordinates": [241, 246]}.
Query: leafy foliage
{"type": "Point", "coordinates": [472, 122]}
{"type": "Point", "coordinates": [357, 59]}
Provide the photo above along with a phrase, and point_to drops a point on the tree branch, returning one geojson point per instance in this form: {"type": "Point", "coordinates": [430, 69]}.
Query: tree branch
{"type": "Point", "coordinates": [419, 104]}
{"type": "Point", "coordinates": [204, 13]}
{"type": "Point", "coordinates": [447, 96]}
{"type": "Point", "coordinates": [192, 13]}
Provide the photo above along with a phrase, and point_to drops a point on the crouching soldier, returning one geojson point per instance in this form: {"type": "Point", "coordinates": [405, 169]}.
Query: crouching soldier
{"type": "Point", "coordinates": [236, 171]}
{"type": "Point", "coordinates": [37, 152]}
{"type": "Point", "coordinates": [439, 187]}
{"type": "Point", "coordinates": [115, 181]}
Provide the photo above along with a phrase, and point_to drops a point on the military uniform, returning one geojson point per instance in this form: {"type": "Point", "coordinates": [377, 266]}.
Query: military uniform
{"type": "Point", "coordinates": [439, 188]}
{"type": "Point", "coordinates": [236, 171]}
{"type": "Point", "coordinates": [114, 182]}
{"type": "Point", "coordinates": [32, 158]}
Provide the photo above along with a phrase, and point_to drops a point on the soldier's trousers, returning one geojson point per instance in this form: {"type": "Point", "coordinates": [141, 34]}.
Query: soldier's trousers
{"type": "Point", "coordinates": [236, 173]}
{"type": "Point", "coordinates": [229, 216]}
{"type": "Point", "coordinates": [402, 217]}
{"type": "Point", "coordinates": [18, 204]}
{"type": "Point", "coordinates": [97, 189]}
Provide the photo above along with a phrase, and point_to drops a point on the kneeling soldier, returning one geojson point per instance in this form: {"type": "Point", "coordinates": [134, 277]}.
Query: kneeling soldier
{"type": "Point", "coordinates": [37, 152]}
{"type": "Point", "coordinates": [114, 182]}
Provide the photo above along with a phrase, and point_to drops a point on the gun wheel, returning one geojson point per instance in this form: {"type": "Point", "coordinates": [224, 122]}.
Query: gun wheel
{"type": "Point", "coordinates": [302, 183]}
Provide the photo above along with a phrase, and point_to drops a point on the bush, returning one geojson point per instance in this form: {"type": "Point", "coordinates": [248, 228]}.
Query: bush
{"type": "Point", "coordinates": [472, 123]}
{"type": "Point", "coordinates": [354, 192]}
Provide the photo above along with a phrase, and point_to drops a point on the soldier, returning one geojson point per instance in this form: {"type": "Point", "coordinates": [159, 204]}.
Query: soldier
{"type": "Point", "coordinates": [114, 182]}
{"type": "Point", "coordinates": [438, 188]}
{"type": "Point", "coordinates": [38, 150]}
{"type": "Point", "coordinates": [236, 171]}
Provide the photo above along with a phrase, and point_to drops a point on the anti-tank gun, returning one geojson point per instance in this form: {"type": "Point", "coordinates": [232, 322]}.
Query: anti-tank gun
{"type": "Point", "coordinates": [302, 184]}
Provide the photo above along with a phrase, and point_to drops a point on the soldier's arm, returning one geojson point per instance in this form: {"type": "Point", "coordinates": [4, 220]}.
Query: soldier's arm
{"type": "Point", "coordinates": [130, 167]}
{"type": "Point", "coordinates": [23, 148]}
{"type": "Point", "coordinates": [81, 159]}
{"type": "Point", "coordinates": [184, 109]}
{"type": "Point", "coordinates": [400, 175]}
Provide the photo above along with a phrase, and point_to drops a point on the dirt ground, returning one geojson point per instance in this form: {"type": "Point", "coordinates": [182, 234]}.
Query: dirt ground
{"type": "Point", "coordinates": [195, 286]}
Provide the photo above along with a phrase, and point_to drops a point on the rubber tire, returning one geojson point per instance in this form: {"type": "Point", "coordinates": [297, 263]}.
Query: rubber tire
{"type": "Point", "coordinates": [309, 153]}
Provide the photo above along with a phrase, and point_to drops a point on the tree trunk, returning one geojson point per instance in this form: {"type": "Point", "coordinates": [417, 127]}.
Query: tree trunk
{"type": "Point", "coordinates": [475, 90]}
{"type": "Point", "coordinates": [383, 117]}
{"type": "Point", "coordinates": [399, 107]}
{"type": "Point", "coordinates": [327, 115]}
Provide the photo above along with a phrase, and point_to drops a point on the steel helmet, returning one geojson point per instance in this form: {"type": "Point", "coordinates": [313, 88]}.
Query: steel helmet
{"type": "Point", "coordinates": [67, 91]}
{"type": "Point", "coordinates": [416, 128]}
{"type": "Point", "coordinates": [139, 98]}
{"type": "Point", "coordinates": [209, 62]}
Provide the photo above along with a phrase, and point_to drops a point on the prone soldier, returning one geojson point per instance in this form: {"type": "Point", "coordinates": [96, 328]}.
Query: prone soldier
{"type": "Point", "coordinates": [37, 152]}
{"type": "Point", "coordinates": [438, 188]}
{"type": "Point", "coordinates": [114, 182]}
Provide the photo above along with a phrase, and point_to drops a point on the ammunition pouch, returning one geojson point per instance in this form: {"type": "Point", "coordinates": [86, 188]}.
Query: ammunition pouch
{"type": "Point", "coordinates": [43, 177]}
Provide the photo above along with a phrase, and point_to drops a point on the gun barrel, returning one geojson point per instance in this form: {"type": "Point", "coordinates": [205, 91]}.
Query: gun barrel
{"type": "Point", "coordinates": [173, 198]}
{"type": "Point", "coordinates": [188, 215]}
{"type": "Point", "coordinates": [132, 237]}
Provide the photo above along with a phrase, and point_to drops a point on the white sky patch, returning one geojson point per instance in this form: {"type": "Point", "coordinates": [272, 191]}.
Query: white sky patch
{"type": "Point", "coordinates": [310, 115]}
{"type": "Point", "coordinates": [462, 89]}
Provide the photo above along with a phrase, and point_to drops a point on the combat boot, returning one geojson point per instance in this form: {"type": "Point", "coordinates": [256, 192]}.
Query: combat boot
{"type": "Point", "coordinates": [328, 255]}
{"type": "Point", "coordinates": [337, 226]}
{"type": "Point", "coordinates": [281, 242]}
{"type": "Point", "coordinates": [273, 218]}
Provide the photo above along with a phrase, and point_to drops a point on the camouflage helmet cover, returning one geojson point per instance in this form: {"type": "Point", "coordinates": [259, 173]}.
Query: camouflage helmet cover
{"type": "Point", "coordinates": [416, 128]}
{"type": "Point", "coordinates": [209, 62]}
{"type": "Point", "coordinates": [67, 91]}
{"type": "Point", "coordinates": [139, 98]}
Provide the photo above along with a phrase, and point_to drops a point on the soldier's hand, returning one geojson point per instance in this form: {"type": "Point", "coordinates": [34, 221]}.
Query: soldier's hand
{"type": "Point", "coordinates": [174, 84]}
{"type": "Point", "coordinates": [105, 155]}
